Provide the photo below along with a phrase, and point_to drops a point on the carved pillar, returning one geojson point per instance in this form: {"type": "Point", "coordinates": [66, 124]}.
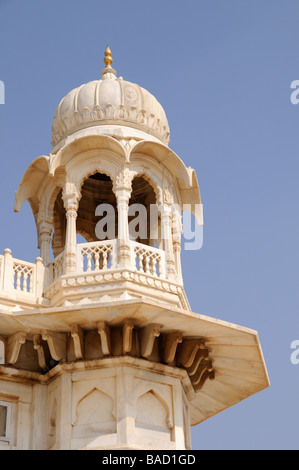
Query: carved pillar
{"type": "Point", "coordinates": [122, 190]}
{"type": "Point", "coordinates": [166, 229]}
{"type": "Point", "coordinates": [45, 230]}
{"type": "Point", "coordinates": [71, 199]}
{"type": "Point", "coordinates": [177, 235]}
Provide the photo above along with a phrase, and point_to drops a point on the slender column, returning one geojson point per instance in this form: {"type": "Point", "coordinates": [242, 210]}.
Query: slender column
{"type": "Point", "coordinates": [166, 224]}
{"type": "Point", "coordinates": [71, 199]}
{"type": "Point", "coordinates": [122, 190]}
{"type": "Point", "coordinates": [177, 235]}
{"type": "Point", "coordinates": [70, 243]}
{"type": "Point", "coordinates": [123, 197]}
{"type": "Point", "coordinates": [177, 258]}
{"type": "Point", "coordinates": [45, 230]}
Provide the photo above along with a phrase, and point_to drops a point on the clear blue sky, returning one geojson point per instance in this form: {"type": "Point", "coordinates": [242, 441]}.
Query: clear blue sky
{"type": "Point", "coordinates": [222, 71]}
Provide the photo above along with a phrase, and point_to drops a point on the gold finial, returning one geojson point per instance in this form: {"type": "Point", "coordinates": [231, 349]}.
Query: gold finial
{"type": "Point", "coordinates": [108, 72]}
{"type": "Point", "coordinates": [108, 59]}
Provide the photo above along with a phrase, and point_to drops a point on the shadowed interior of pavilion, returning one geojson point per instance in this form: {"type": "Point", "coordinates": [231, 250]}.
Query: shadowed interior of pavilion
{"type": "Point", "coordinates": [97, 222]}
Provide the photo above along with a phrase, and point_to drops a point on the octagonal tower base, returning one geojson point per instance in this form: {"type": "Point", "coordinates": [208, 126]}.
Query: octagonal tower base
{"type": "Point", "coordinates": [121, 380]}
{"type": "Point", "coordinates": [117, 403]}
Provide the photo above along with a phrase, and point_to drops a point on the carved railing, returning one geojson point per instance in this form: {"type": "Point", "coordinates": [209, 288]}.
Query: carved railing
{"type": "Point", "coordinates": [96, 256]}
{"type": "Point", "coordinates": [30, 280]}
{"type": "Point", "coordinates": [149, 260]}
{"type": "Point", "coordinates": [21, 277]}
{"type": "Point", "coordinates": [102, 255]}
{"type": "Point", "coordinates": [57, 267]}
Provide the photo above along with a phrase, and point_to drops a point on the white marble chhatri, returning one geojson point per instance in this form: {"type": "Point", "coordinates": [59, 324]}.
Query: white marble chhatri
{"type": "Point", "coordinates": [99, 348]}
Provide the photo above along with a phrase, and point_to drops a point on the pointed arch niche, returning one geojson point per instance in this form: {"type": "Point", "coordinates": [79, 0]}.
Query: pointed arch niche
{"type": "Point", "coordinates": [153, 415]}
{"type": "Point", "coordinates": [94, 415]}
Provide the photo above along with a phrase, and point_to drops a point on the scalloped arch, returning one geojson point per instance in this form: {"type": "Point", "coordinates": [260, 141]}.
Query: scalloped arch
{"type": "Point", "coordinates": [83, 144]}
{"type": "Point", "coordinates": [152, 390]}
{"type": "Point", "coordinates": [91, 162]}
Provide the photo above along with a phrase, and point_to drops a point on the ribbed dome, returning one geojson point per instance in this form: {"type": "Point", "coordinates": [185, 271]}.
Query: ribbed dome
{"type": "Point", "coordinates": [110, 100]}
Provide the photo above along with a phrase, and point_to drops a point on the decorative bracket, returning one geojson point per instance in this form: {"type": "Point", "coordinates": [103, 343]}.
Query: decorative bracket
{"type": "Point", "coordinates": [148, 336]}
{"type": "Point", "coordinates": [205, 371]}
{"type": "Point", "coordinates": [193, 356]}
{"type": "Point", "coordinates": [171, 341]}
{"type": "Point", "coordinates": [56, 343]}
{"type": "Point", "coordinates": [13, 346]}
{"type": "Point", "coordinates": [78, 337]}
{"type": "Point", "coordinates": [188, 350]}
{"type": "Point", "coordinates": [40, 351]}
{"type": "Point", "coordinates": [128, 327]}
{"type": "Point", "coordinates": [199, 358]}
{"type": "Point", "coordinates": [105, 334]}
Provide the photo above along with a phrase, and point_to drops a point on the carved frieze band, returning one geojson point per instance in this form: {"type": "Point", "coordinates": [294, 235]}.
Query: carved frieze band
{"type": "Point", "coordinates": [89, 278]}
{"type": "Point", "coordinates": [120, 113]}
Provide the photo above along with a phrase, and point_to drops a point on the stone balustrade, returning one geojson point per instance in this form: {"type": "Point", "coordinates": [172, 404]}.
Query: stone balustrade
{"type": "Point", "coordinates": [149, 260]}
{"type": "Point", "coordinates": [57, 267]}
{"type": "Point", "coordinates": [96, 256]}
{"type": "Point", "coordinates": [31, 284]}
{"type": "Point", "coordinates": [21, 277]}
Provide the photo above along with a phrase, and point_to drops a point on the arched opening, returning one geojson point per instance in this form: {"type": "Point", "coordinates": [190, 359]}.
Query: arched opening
{"type": "Point", "coordinates": [98, 203]}
{"type": "Point", "coordinates": [144, 219]}
{"type": "Point", "coordinates": [96, 191]}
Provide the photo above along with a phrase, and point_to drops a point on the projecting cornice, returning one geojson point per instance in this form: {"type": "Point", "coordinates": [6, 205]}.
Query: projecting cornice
{"type": "Point", "coordinates": [202, 346]}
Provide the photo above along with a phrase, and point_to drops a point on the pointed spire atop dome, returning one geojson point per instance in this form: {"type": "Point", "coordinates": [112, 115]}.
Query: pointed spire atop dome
{"type": "Point", "coordinates": [108, 59]}
{"type": "Point", "coordinates": [108, 71]}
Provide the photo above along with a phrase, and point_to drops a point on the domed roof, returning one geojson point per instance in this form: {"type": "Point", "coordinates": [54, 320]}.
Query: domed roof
{"type": "Point", "coordinates": [110, 100]}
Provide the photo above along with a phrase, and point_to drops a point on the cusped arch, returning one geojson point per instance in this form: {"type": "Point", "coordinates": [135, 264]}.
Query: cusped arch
{"type": "Point", "coordinates": [96, 192]}
{"type": "Point", "coordinates": [91, 162]}
{"type": "Point", "coordinates": [95, 407]}
{"type": "Point", "coordinates": [160, 393]}
{"type": "Point", "coordinates": [150, 177]}
{"type": "Point", "coordinates": [80, 146]}
{"type": "Point", "coordinates": [152, 410]}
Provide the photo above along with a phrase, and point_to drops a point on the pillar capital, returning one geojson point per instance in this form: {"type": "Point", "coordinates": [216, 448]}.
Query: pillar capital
{"type": "Point", "coordinates": [123, 182]}
{"type": "Point", "coordinates": [45, 227]}
{"type": "Point", "coordinates": [71, 197]}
